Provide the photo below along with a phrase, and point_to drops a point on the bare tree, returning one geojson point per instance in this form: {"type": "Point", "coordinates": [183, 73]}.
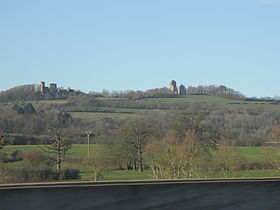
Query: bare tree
{"type": "Point", "coordinates": [59, 141]}
{"type": "Point", "coordinates": [132, 138]}
{"type": "Point", "coordinates": [196, 123]}
{"type": "Point", "coordinates": [155, 158]}
{"type": "Point", "coordinates": [174, 158]}
{"type": "Point", "coordinates": [96, 164]}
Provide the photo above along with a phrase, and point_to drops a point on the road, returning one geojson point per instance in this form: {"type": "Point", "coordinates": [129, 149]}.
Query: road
{"type": "Point", "coordinates": [167, 194]}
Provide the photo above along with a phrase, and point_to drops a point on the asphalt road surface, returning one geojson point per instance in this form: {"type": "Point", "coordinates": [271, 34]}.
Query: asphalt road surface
{"type": "Point", "coordinates": [183, 194]}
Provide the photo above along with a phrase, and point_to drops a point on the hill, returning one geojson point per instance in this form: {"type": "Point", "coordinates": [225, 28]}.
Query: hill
{"type": "Point", "coordinates": [123, 106]}
{"type": "Point", "coordinates": [246, 122]}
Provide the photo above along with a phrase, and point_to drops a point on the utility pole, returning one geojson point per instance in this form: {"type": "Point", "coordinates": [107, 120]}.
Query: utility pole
{"type": "Point", "coordinates": [88, 134]}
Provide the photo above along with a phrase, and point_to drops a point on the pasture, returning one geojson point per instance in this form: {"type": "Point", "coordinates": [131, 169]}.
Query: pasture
{"type": "Point", "coordinates": [79, 151]}
{"type": "Point", "coordinates": [111, 108]}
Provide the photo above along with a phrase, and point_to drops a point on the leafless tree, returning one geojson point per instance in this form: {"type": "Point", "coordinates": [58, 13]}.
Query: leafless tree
{"type": "Point", "coordinates": [131, 139]}
{"type": "Point", "coordinates": [59, 141]}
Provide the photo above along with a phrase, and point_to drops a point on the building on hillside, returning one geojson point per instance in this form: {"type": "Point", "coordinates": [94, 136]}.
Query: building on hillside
{"type": "Point", "coordinates": [53, 89]}
{"type": "Point", "coordinates": [41, 87]}
{"type": "Point", "coordinates": [173, 86]}
{"type": "Point", "coordinates": [180, 90]}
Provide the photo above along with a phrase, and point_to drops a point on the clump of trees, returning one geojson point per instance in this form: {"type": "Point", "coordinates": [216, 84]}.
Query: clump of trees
{"type": "Point", "coordinates": [37, 166]}
{"type": "Point", "coordinates": [131, 94]}
{"type": "Point", "coordinates": [24, 109]}
{"type": "Point", "coordinates": [189, 148]}
{"type": "Point", "coordinates": [183, 151]}
{"type": "Point", "coordinates": [132, 137]}
{"type": "Point", "coordinates": [214, 90]}
{"type": "Point", "coordinates": [174, 158]}
{"type": "Point", "coordinates": [20, 93]}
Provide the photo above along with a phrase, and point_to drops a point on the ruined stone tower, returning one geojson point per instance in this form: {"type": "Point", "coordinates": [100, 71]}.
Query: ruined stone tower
{"type": "Point", "coordinates": [173, 86]}
{"type": "Point", "coordinates": [180, 90]}
{"type": "Point", "coordinates": [53, 87]}
{"type": "Point", "coordinates": [42, 87]}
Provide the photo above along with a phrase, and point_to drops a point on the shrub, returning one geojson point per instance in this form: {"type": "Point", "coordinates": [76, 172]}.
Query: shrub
{"type": "Point", "coordinates": [96, 165]}
{"type": "Point", "coordinates": [227, 160]}
{"type": "Point", "coordinates": [12, 175]}
{"type": "Point", "coordinates": [24, 140]}
{"type": "Point", "coordinates": [37, 160]}
{"type": "Point", "coordinates": [17, 156]}
{"type": "Point", "coordinates": [3, 157]}
{"type": "Point", "coordinates": [257, 166]}
{"type": "Point", "coordinates": [69, 173]}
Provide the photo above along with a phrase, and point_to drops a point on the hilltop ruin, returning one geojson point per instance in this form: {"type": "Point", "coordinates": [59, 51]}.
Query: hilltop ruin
{"type": "Point", "coordinates": [53, 89]}
{"type": "Point", "coordinates": [180, 90]}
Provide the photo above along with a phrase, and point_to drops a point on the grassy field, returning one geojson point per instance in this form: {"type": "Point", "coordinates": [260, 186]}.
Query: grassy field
{"type": "Point", "coordinates": [77, 150]}
{"type": "Point", "coordinates": [81, 151]}
{"type": "Point", "coordinates": [100, 109]}
{"type": "Point", "coordinates": [251, 154]}
{"type": "Point", "coordinates": [93, 115]}
{"type": "Point", "coordinates": [164, 104]}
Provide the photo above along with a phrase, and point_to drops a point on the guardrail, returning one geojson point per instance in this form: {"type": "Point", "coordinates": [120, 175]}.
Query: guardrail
{"type": "Point", "coordinates": [261, 193]}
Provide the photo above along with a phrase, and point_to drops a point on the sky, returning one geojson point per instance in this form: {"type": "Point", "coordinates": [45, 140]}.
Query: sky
{"type": "Point", "coordinates": [93, 45]}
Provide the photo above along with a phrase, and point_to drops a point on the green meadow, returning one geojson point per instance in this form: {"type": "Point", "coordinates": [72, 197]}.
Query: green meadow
{"type": "Point", "coordinates": [165, 104]}
{"type": "Point", "coordinates": [250, 154]}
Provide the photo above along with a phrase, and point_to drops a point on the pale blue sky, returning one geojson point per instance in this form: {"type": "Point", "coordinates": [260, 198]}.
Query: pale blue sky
{"type": "Point", "coordinates": [141, 44]}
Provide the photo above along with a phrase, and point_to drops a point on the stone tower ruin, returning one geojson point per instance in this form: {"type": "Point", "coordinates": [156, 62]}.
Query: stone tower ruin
{"type": "Point", "coordinates": [180, 90]}
{"type": "Point", "coordinates": [173, 86]}
{"type": "Point", "coordinates": [42, 87]}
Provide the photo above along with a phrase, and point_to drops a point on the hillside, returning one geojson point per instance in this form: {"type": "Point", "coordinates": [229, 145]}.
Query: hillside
{"type": "Point", "coordinates": [245, 122]}
{"type": "Point", "coordinates": [112, 107]}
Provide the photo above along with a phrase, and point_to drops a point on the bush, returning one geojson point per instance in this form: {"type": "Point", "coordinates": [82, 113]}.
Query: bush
{"type": "Point", "coordinates": [69, 173]}
{"type": "Point", "coordinates": [3, 157]}
{"type": "Point", "coordinates": [24, 140]}
{"type": "Point", "coordinates": [37, 160]}
{"type": "Point", "coordinates": [257, 166]}
{"type": "Point", "coordinates": [17, 156]}
{"type": "Point", "coordinates": [12, 175]}
{"type": "Point", "coordinates": [96, 164]}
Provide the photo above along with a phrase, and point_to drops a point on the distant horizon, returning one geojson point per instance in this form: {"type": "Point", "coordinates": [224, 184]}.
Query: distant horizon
{"type": "Point", "coordinates": [140, 45]}
{"type": "Point", "coordinates": [99, 91]}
